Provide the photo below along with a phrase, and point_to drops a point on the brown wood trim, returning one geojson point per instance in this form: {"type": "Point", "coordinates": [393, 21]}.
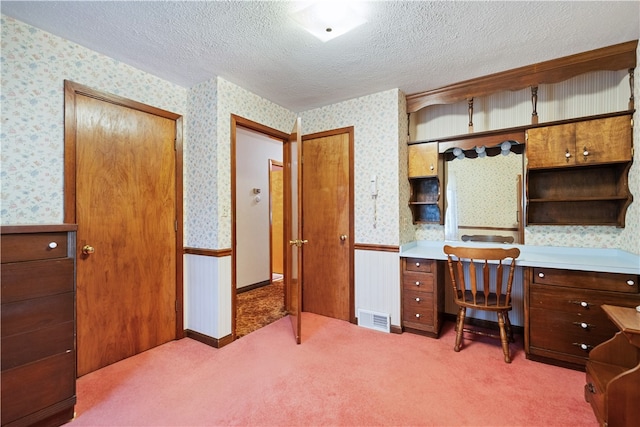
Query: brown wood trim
{"type": "Point", "coordinates": [36, 228]}
{"type": "Point", "coordinates": [71, 90]}
{"type": "Point", "coordinates": [470, 227]}
{"type": "Point", "coordinates": [612, 58]}
{"type": "Point", "coordinates": [206, 339]}
{"type": "Point", "coordinates": [323, 134]}
{"type": "Point", "coordinates": [396, 329]}
{"type": "Point", "coordinates": [218, 253]}
{"type": "Point", "coordinates": [379, 248]}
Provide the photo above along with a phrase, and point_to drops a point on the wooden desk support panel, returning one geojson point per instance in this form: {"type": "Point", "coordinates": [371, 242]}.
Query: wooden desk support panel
{"type": "Point", "coordinates": [613, 371]}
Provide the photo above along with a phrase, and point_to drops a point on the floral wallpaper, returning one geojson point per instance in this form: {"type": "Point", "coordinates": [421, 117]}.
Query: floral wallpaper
{"type": "Point", "coordinates": [377, 153]}
{"type": "Point", "coordinates": [34, 66]}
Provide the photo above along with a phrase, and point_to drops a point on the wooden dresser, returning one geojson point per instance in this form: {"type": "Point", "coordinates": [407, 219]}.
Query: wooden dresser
{"type": "Point", "coordinates": [564, 320]}
{"type": "Point", "coordinates": [38, 324]}
{"type": "Point", "coordinates": [422, 296]}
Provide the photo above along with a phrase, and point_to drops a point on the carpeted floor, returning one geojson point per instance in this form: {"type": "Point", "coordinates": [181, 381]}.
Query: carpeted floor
{"type": "Point", "coordinates": [341, 375]}
{"type": "Point", "coordinates": [259, 307]}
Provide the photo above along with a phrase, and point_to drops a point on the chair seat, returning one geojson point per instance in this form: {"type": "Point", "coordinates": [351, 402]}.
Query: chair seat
{"type": "Point", "coordinates": [491, 304]}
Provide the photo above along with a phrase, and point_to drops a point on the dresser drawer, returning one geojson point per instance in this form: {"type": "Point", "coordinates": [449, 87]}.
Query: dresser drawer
{"type": "Point", "coordinates": [37, 385]}
{"type": "Point", "coordinates": [29, 315]}
{"type": "Point", "coordinates": [418, 312]}
{"type": "Point", "coordinates": [29, 347]}
{"type": "Point", "coordinates": [419, 264]}
{"type": "Point", "coordinates": [26, 247]}
{"type": "Point", "coordinates": [627, 283]}
{"type": "Point", "coordinates": [33, 279]}
{"type": "Point", "coordinates": [418, 281]}
{"type": "Point", "coordinates": [585, 303]}
{"type": "Point", "coordinates": [567, 332]}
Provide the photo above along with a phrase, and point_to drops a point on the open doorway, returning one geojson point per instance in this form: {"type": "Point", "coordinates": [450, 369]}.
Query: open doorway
{"type": "Point", "coordinates": [258, 226]}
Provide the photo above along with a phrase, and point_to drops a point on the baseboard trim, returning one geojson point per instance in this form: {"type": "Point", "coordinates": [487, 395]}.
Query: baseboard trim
{"type": "Point", "coordinates": [253, 286]}
{"type": "Point", "coordinates": [206, 339]}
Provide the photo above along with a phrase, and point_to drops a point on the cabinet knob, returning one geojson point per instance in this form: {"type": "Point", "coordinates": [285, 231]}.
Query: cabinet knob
{"type": "Point", "coordinates": [417, 283]}
{"type": "Point", "coordinates": [417, 314]}
{"type": "Point", "coordinates": [431, 167]}
{"type": "Point", "coordinates": [567, 154]}
{"type": "Point", "coordinates": [630, 282]}
{"type": "Point", "coordinates": [585, 152]}
{"type": "Point", "coordinates": [583, 325]}
{"type": "Point", "coordinates": [541, 275]}
{"type": "Point", "coordinates": [580, 303]}
{"type": "Point", "coordinates": [417, 299]}
{"type": "Point", "coordinates": [417, 264]}
{"type": "Point", "coordinates": [583, 346]}
{"type": "Point", "coordinates": [53, 245]}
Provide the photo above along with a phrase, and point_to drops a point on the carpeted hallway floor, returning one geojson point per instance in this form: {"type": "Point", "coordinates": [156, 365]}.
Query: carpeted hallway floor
{"type": "Point", "coordinates": [259, 307]}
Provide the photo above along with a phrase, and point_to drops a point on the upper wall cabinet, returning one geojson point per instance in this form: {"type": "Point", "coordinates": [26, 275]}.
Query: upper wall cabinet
{"type": "Point", "coordinates": [578, 172]}
{"type": "Point", "coordinates": [423, 160]}
{"type": "Point", "coordinates": [582, 143]}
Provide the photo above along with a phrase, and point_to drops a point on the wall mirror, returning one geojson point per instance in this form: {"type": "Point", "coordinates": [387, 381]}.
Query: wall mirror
{"type": "Point", "coordinates": [484, 193]}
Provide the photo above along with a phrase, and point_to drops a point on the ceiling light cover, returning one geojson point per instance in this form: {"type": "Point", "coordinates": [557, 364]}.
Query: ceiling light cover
{"type": "Point", "coordinates": [327, 20]}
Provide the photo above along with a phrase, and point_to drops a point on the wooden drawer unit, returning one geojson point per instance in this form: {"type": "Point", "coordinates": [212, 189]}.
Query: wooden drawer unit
{"type": "Point", "coordinates": [38, 325]}
{"type": "Point", "coordinates": [564, 320]}
{"type": "Point", "coordinates": [422, 296]}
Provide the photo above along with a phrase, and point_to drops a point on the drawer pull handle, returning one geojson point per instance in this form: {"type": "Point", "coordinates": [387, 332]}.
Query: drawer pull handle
{"type": "Point", "coordinates": [583, 346]}
{"type": "Point", "coordinates": [583, 325]}
{"type": "Point", "coordinates": [417, 283]}
{"type": "Point", "coordinates": [541, 275]}
{"type": "Point", "coordinates": [417, 314]}
{"type": "Point", "coordinates": [53, 245]}
{"type": "Point", "coordinates": [417, 264]}
{"type": "Point", "coordinates": [417, 299]}
{"type": "Point", "coordinates": [630, 282]}
{"type": "Point", "coordinates": [580, 303]}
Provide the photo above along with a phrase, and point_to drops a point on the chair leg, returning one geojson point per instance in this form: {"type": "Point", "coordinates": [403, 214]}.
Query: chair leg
{"type": "Point", "coordinates": [503, 337]}
{"type": "Point", "coordinates": [507, 325]}
{"type": "Point", "coordinates": [462, 311]}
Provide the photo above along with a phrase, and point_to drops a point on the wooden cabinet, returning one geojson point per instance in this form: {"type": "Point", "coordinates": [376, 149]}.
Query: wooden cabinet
{"type": "Point", "coordinates": [422, 296]}
{"type": "Point", "coordinates": [613, 371]}
{"type": "Point", "coordinates": [577, 172]}
{"type": "Point", "coordinates": [38, 325]}
{"type": "Point", "coordinates": [563, 318]}
{"type": "Point", "coordinates": [425, 169]}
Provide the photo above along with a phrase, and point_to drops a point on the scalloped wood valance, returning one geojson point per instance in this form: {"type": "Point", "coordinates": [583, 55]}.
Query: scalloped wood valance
{"type": "Point", "coordinates": [612, 58]}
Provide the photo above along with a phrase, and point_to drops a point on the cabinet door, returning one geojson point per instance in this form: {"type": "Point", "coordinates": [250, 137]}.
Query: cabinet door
{"type": "Point", "coordinates": [603, 140]}
{"type": "Point", "coordinates": [551, 146]}
{"type": "Point", "coordinates": [423, 160]}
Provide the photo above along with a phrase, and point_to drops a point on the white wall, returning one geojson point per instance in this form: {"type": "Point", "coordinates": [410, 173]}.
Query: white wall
{"type": "Point", "coordinates": [253, 151]}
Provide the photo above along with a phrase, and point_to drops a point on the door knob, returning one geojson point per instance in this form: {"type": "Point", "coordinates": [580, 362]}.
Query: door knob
{"type": "Point", "coordinates": [343, 237]}
{"type": "Point", "coordinates": [88, 250]}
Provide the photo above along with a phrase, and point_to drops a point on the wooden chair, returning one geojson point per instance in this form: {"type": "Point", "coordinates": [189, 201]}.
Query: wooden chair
{"type": "Point", "coordinates": [489, 292]}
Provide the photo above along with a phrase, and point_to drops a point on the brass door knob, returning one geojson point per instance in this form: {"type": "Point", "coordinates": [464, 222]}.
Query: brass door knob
{"type": "Point", "coordinates": [343, 237]}
{"type": "Point", "coordinates": [88, 250]}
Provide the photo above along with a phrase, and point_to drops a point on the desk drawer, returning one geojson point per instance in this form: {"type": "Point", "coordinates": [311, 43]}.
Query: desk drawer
{"type": "Point", "coordinates": [418, 281]}
{"type": "Point", "coordinates": [627, 283]}
{"type": "Point", "coordinates": [581, 302]}
{"type": "Point", "coordinates": [420, 265]}
{"type": "Point", "coordinates": [25, 348]}
{"type": "Point", "coordinates": [27, 247]}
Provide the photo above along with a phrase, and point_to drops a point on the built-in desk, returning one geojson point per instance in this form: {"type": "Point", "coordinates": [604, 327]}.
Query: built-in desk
{"type": "Point", "coordinates": [564, 289]}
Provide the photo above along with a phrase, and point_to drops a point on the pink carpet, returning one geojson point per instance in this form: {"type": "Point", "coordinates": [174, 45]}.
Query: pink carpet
{"type": "Point", "coordinates": [341, 374]}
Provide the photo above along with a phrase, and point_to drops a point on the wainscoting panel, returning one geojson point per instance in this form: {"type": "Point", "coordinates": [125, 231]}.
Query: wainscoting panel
{"type": "Point", "coordinates": [377, 283]}
{"type": "Point", "coordinates": [207, 290]}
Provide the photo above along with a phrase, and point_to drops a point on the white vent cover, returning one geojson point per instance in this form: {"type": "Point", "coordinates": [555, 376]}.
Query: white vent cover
{"type": "Point", "coordinates": [372, 320]}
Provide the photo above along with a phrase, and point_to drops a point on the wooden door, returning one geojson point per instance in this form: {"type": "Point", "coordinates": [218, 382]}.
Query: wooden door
{"type": "Point", "coordinates": [327, 224]}
{"type": "Point", "coordinates": [549, 146]}
{"type": "Point", "coordinates": [604, 140]}
{"type": "Point", "coordinates": [125, 208]}
{"type": "Point", "coordinates": [293, 230]}
{"type": "Point", "coordinates": [423, 160]}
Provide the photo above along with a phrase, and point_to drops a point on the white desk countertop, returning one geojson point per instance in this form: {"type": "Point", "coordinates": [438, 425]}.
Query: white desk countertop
{"type": "Point", "coordinates": [585, 259]}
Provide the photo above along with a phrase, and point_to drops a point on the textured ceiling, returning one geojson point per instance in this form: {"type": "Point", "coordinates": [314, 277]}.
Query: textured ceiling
{"type": "Point", "coordinates": [410, 45]}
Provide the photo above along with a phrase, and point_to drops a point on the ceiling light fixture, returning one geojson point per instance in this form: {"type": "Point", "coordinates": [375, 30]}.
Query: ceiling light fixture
{"type": "Point", "coordinates": [329, 19]}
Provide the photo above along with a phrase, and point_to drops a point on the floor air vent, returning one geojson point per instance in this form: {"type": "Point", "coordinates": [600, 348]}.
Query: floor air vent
{"type": "Point", "coordinates": [373, 320]}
